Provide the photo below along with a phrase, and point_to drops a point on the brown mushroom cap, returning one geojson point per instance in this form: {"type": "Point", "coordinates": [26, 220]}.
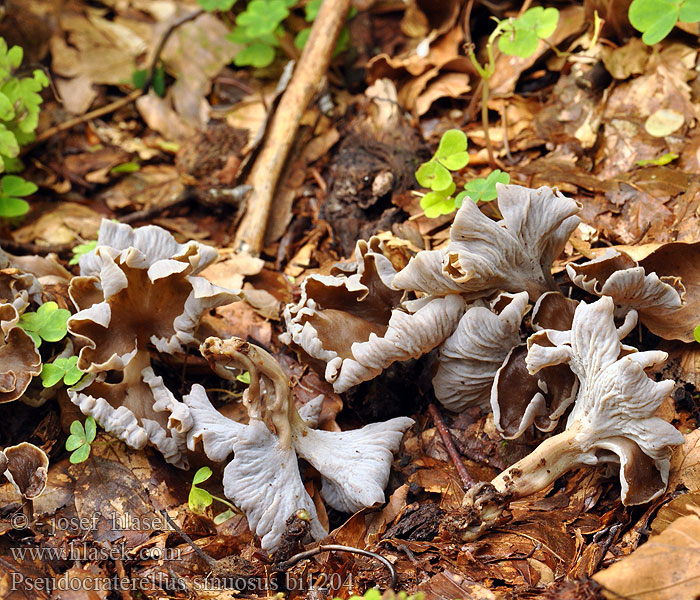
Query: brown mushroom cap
{"type": "Point", "coordinates": [28, 465]}
{"type": "Point", "coordinates": [19, 358]}
{"type": "Point", "coordinates": [354, 326]}
{"type": "Point", "coordinates": [138, 287]}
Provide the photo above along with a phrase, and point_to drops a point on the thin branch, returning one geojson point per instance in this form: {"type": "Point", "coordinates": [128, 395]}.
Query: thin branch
{"type": "Point", "coordinates": [287, 564]}
{"type": "Point", "coordinates": [450, 446]}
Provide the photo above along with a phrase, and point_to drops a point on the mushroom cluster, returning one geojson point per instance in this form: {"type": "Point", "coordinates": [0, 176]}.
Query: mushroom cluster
{"type": "Point", "coordinates": [488, 273]}
{"type": "Point", "coordinates": [138, 288]}
{"type": "Point", "coordinates": [263, 478]}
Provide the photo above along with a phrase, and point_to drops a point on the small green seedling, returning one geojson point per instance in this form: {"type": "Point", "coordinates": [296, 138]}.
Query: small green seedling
{"type": "Point", "coordinates": [662, 160]}
{"type": "Point", "coordinates": [435, 174]}
{"type": "Point", "coordinates": [48, 323]}
{"type": "Point", "coordinates": [483, 190]}
{"type": "Point", "coordinates": [128, 167]}
{"type": "Point", "coordinates": [20, 100]}
{"type": "Point", "coordinates": [199, 498]}
{"type": "Point", "coordinates": [244, 377]}
{"type": "Point", "coordinates": [80, 439]}
{"type": "Point", "coordinates": [375, 594]}
{"type": "Point", "coordinates": [516, 37]}
{"type": "Point", "coordinates": [81, 249]}
{"type": "Point", "coordinates": [216, 5]}
{"type": "Point", "coordinates": [65, 369]}
{"type": "Point", "coordinates": [140, 77]}
{"type": "Point", "coordinates": [521, 36]}
{"type": "Point", "coordinates": [656, 18]}
{"type": "Point", "coordinates": [696, 334]}
{"type": "Point", "coordinates": [12, 190]}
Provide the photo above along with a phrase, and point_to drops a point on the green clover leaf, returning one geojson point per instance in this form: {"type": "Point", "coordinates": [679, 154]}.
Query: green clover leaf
{"type": "Point", "coordinates": [12, 185]}
{"type": "Point", "coordinates": [80, 438]}
{"type": "Point", "coordinates": [655, 18]}
{"type": "Point", "coordinates": [262, 16]}
{"type": "Point", "coordinates": [199, 499]}
{"type": "Point", "coordinates": [81, 249]}
{"type": "Point", "coordinates": [434, 176]}
{"type": "Point", "coordinates": [244, 377]}
{"type": "Point", "coordinates": [438, 203]}
{"type": "Point", "coordinates": [521, 36]}
{"type": "Point", "coordinates": [452, 150]}
{"type": "Point", "coordinates": [483, 190]}
{"type": "Point", "coordinates": [256, 55]}
{"type": "Point", "coordinates": [65, 369]}
{"type": "Point", "coordinates": [48, 323]}
{"type": "Point", "coordinates": [224, 516]}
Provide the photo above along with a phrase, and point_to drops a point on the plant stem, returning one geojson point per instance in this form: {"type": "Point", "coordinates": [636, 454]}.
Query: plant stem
{"type": "Point", "coordinates": [485, 121]}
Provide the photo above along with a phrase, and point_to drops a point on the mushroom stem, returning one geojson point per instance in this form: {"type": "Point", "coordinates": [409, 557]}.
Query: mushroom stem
{"type": "Point", "coordinates": [280, 412]}
{"type": "Point", "coordinates": [484, 503]}
{"type": "Point", "coordinates": [549, 461]}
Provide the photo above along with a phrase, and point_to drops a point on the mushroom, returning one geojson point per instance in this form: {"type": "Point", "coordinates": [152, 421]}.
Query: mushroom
{"type": "Point", "coordinates": [612, 421]}
{"type": "Point", "coordinates": [469, 359]}
{"type": "Point", "coordinates": [483, 256]}
{"type": "Point", "coordinates": [19, 358]}
{"type": "Point", "coordinates": [520, 399]}
{"type": "Point", "coordinates": [138, 287]}
{"type": "Point", "coordinates": [355, 324]}
{"type": "Point", "coordinates": [26, 466]}
{"type": "Point", "coordinates": [263, 478]}
{"type": "Point", "coordinates": [619, 276]}
{"type": "Point", "coordinates": [16, 286]}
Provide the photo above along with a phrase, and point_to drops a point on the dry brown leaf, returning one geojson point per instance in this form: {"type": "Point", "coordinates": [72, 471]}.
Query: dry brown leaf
{"type": "Point", "coordinates": [685, 463]}
{"type": "Point", "coordinates": [667, 567]}
{"type": "Point", "coordinates": [67, 223]}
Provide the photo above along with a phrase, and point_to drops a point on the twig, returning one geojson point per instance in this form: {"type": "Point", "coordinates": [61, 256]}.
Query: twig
{"type": "Point", "coordinates": [267, 169]}
{"type": "Point", "coordinates": [211, 562]}
{"type": "Point", "coordinates": [30, 248]}
{"type": "Point", "coordinates": [147, 213]}
{"type": "Point", "coordinates": [288, 564]}
{"type": "Point", "coordinates": [450, 446]}
{"type": "Point", "coordinates": [117, 104]}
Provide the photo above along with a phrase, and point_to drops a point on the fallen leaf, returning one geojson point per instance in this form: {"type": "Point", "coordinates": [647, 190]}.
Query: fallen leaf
{"type": "Point", "coordinates": [667, 567]}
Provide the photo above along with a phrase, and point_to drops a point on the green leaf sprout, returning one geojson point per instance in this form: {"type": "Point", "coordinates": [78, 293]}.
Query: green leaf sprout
{"type": "Point", "coordinates": [80, 439]}
{"type": "Point", "coordinates": [12, 189]}
{"type": "Point", "coordinates": [656, 18]}
{"type": "Point", "coordinates": [81, 249]}
{"type": "Point", "coordinates": [483, 190]}
{"type": "Point", "coordinates": [199, 499]}
{"type": "Point", "coordinates": [216, 5]}
{"type": "Point", "coordinates": [696, 334]}
{"type": "Point", "coordinates": [65, 369]}
{"type": "Point", "coordinates": [48, 323]}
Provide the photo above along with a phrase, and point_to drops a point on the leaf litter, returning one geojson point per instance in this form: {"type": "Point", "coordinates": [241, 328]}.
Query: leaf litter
{"type": "Point", "coordinates": [613, 125]}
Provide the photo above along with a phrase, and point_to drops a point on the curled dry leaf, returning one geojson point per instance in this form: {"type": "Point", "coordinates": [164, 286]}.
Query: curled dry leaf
{"type": "Point", "coordinates": [483, 256]}
{"type": "Point", "coordinates": [469, 359]}
{"type": "Point", "coordinates": [138, 287]}
{"type": "Point", "coordinates": [17, 287]}
{"type": "Point", "coordinates": [354, 323]}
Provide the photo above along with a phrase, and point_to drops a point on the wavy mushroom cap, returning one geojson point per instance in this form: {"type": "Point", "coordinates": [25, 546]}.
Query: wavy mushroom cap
{"type": "Point", "coordinates": [511, 255]}
{"type": "Point", "coordinates": [28, 466]}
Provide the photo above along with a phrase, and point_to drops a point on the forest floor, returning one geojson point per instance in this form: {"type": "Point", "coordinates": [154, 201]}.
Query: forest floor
{"type": "Point", "coordinates": [601, 116]}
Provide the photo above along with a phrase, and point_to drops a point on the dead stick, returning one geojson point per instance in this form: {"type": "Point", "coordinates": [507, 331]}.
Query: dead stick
{"type": "Point", "coordinates": [450, 446]}
{"type": "Point", "coordinates": [267, 169]}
